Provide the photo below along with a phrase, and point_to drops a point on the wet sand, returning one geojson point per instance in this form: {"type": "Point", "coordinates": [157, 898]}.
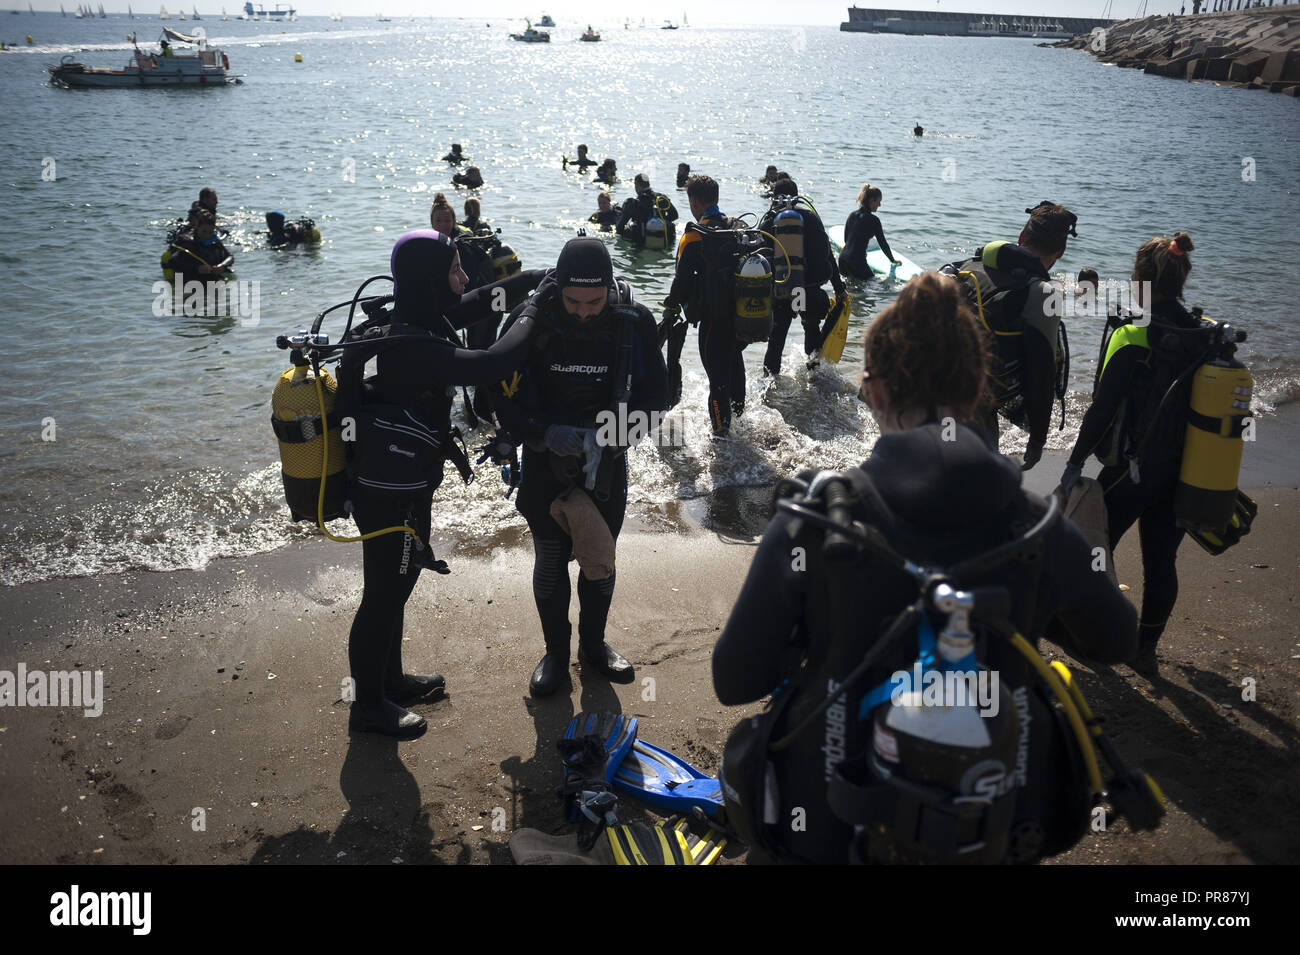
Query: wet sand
{"type": "Point", "coordinates": [223, 695]}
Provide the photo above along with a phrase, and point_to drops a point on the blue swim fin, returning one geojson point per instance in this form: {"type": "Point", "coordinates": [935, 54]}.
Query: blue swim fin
{"type": "Point", "coordinates": [658, 778]}
{"type": "Point", "coordinates": [593, 747]}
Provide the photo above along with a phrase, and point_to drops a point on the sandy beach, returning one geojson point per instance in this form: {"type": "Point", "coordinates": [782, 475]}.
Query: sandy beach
{"type": "Point", "coordinates": [223, 737]}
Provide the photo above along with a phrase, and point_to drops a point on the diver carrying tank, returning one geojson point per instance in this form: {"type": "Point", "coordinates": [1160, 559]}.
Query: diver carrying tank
{"type": "Point", "coordinates": [753, 281]}
{"type": "Point", "coordinates": [1206, 495]}
{"type": "Point", "coordinates": [788, 228]}
{"type": "Point", "coordinates": [505, 262]}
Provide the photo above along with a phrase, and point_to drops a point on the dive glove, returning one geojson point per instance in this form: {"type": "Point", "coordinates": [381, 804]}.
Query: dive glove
{"type": "Point", "coordinates": [1069, 478]}
{"type": "Point", "coordinates": [566, 440]}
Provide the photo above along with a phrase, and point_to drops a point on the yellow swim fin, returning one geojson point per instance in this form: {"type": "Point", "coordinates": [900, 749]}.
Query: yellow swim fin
{"type": "Point", "coordinates": [833, 344]}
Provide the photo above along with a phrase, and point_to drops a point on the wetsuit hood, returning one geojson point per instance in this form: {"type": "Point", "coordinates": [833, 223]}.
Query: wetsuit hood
{"type": "Point", "coordinates": [420, 263]}
{"type": "Point", "coordinates": [915, 468]}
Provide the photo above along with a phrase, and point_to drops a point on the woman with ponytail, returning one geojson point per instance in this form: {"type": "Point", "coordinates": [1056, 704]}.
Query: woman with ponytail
{"type": "Point", "coordinates": [1137, 424]}
{"type": "Point", "coordinates": [803, 622]}
{"type": "Point", "coordinates": [860, 228]}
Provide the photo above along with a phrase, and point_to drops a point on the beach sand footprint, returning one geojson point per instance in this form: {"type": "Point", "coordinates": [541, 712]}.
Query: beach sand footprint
{"type": "Point", "coordinates": [171, 727]}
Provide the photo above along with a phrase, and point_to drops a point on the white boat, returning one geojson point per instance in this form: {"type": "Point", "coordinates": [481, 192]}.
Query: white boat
{"type": "Point", "coordinates": [79, 15]}
{"type": "Point", "coordinates": [546, 21]}
{"type": "Point", "coordinates": [531, 36]}
{"type": "Point", "coordinates": [282, 12]}
{"type": "Point", "coordinates": [196, 14]}
{"type": "Point", "coordinates": [162, 14]}
{"type": "Point", "coordinates": [223, 14]}
{"type": "Point", "coordinates": [181, 15]}
{"type": "Point", "coordinates": [206, 66]}
{"type": "Point", "coordinates": [383, 19]}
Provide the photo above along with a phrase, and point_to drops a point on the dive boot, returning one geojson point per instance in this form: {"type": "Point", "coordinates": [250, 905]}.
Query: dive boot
{"type": "Point", "coordinates": [387, 719]}
{"type": "Point", "coordinates": [1145, 661]}
{"type": "Point", "coordinates": [549, 674]}
{"type": "Point", "coordinates": [607, 661]}
{"type": "Point", "coordinates": [413, 687]}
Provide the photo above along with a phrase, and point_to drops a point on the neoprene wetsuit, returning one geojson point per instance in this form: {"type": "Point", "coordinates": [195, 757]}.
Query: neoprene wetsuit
{"type": "Point", "coordinates": [416, 375]}
{"type": "Point", "coordinates": [953, 499]}
{"type": "Point", "coordinates": [568, 378]}
{"type": "Point", "coordinates": [1131, 377]}
{"type": "Point", "coordinates": [859, 229]}
{"type": "Point", "coordinates": [819, 268]}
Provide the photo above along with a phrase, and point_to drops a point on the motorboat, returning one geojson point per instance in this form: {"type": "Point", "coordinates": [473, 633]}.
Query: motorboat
{"type": "Point", "coordinates": [591, 36]}
{"type": "Point", "coordinates": [546, 21]}
{"type": "Point", "coordinates": [206, 66]}
{"type": "Point", "coordinates": [532, 36]}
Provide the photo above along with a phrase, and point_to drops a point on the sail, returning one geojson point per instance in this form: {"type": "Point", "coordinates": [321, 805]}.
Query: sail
{"type": "Point", "coordinates": [183, 37]}
{"type": "Point", "coordinates": [162, 14]}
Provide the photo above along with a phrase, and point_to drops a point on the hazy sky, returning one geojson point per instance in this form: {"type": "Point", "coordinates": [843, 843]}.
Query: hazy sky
{"type": "Point", "coordinates": [572, 14]}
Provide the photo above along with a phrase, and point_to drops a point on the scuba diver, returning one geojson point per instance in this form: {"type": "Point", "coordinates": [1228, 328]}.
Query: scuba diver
{"type": "Point", "coordinates": [207, 200]}
{"type": "Point", "coordinates": [605, 215]}
{"type": "Point", "coordinates": [803, 240]}
{"type": "Point", "coordinates": [474, 221]}
{"type": "Point", "coordinates": [683, 174]}
{"type": "Point", "coordinates": [770, 175]}
{"type": "Point", "coordinates": [699, 284]}
{"type": "Point", "coordinates": [455, 157]}
{"type": "Point", "coordinates": [607, 172]}
{"type": "Point", "coordinates": [809, 631]}
{"type": "Point", "coordinates": [281, 234]}
{"type": "Point", "coordinates": [582, 162]}
{"type": "Point", "coordinates": [596, 353]}
{"type": "Point", "coordinates": [1137, 425]}
{"type": "Point", "coordinates": [471, 178]}
{"type": "Point", "coordinates": [647, 218]}
{"type": "Point", "coordinates": [414, 384]}
{"type": "Point", "coordinates": [860, 228]}
{"type": "Point", "coordinates": [200, 256]}
{"type": "Point", "coordinates": [1010, 290]}
{"type": "Point", "coordinates": [485, 260]}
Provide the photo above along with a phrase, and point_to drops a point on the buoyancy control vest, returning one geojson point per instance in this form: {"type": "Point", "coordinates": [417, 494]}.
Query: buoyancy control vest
{"type": "Point", "coordinates": [996, 284]}
{"type": "Point", "coordinates": [737, 278]}
{"type": "Point", "coordinates": [927, 787]}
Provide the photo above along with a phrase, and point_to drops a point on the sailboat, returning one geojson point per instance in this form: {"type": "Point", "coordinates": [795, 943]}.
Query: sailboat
{"type": "Point", "coordinates": [162, 14]}
{"type": "Point", "coordinates": [62, 12]}
{"type": "Point", "coordinates": [196, 14]}
{"type": "Point", "coordinates": [223, 14]}
{"type": "Point", "coordinates": [129, 14]}
{"type": "Point", "coordinates": [102, 14]}
{"type": "Point", "coordinates": [181, 15]}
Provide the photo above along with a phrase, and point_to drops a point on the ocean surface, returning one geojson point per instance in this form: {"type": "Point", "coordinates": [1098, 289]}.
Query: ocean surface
{"type": "Point", "coordinates": [133, 440]}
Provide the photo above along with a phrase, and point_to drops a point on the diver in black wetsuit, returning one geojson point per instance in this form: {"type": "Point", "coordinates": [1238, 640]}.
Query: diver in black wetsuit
{"type": "Point", "coordinates": [860, 228]}
{"type": "Point", "coordinates": [802, 622]}
{"type": "Point", "coordinates": [1140, 365]}
{"type": "Point", "coordinates": [808, 298]}
{"type": "Point", "coordinates": [639, 209]}
{"type": "Point", "coordinates": [605, 215]}
{"type": "Point", "coordinates": [595, 352]}
{"type": "Point", "coordinates": [415, 376]}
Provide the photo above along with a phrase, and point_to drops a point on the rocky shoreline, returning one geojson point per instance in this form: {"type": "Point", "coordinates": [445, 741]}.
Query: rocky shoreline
{"type": "Point", "coordinates": [1251, 49]}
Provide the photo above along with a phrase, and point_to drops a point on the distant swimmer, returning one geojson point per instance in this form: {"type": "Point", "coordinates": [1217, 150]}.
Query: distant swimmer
{"type": "Point", "coordinates": [683, 173]}
{"type": "Point", "coordinates": [770, 175]}
{"type": "Point", "coordinates": [605, 216]}
{"type": "Point", "coordinates": [455, 157]}
{"type": "Point", "coordinates": [607, 172]}
{"type": "Point", "coordinates": [1086, 283]}
{"type": "Point", "coordinates": [860, 228]}
{"type": "Point", "coordinates": [201, 256]}
{"type": "Point", "coordinates": [582, 162]}
{"type": "Point", "coordinates": [918, 130]}
{"type": "Point", "coordinates": [471, 178]}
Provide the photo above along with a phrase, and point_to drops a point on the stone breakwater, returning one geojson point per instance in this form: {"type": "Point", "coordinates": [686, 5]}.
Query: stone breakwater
{"type": "Point", "coordinates": [1257, 49]}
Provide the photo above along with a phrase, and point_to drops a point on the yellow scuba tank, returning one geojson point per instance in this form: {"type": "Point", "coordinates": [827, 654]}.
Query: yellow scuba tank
{"type": "Point", "coordinates": [753, 299]}
{"type": "Point", "coordinates": [788, 228]}
{"type": "Point", "coordinates": [296, 421]}
{"type": "Point", "coordinates": [1206, 494]}
{"type": "Point", "coordinates": [505, 262]}
{"type": "Point", "coordinates": [168, 272]}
